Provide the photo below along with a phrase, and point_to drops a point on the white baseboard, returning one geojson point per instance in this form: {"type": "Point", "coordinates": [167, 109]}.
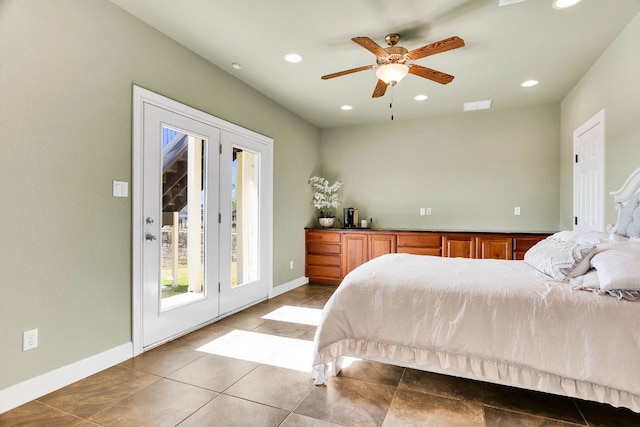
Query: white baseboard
{"type": "Point", "coordinates": [24, 392]}
{"type": "Point", "coordinates": [286, 287]}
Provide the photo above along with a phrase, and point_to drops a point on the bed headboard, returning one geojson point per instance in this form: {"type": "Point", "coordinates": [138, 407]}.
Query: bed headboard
{"type": "Point", "coordinates": [627, 203]}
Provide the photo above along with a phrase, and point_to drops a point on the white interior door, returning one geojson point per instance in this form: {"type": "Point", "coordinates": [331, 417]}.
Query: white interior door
{"type": "Point", "coordinates": [180, 213]}
{"type": "Point", "coordinates": [588, 175]}
{"type": "Point", "coordinates": [245, 228]}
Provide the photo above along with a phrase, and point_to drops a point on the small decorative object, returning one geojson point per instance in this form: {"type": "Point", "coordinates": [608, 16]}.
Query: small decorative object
{"type": "Point", "coordinates": [326, 199]}
{"type": "Point", "coordinates": [326, 222]}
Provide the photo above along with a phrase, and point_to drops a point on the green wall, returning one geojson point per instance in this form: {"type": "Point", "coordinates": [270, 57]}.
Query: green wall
{"type": "Point", "coordinates": [611, 84]}
{"type": "Point", "coordinates": [66, 75]}
{"type": "Point", "coordinates": [470, 168]}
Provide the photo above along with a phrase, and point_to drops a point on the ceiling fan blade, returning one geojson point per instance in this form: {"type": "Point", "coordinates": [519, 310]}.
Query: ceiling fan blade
{"type": "Point", "coordinates": [437, 47]}
{"type": "Point", "coordinates": [345, 72]}
{"type": "Point", "coordinates": [371, 46]}
{"type": "Point", "coordinates": [380, 89]}
{"type": "Point", "coordinates": [428, 73]}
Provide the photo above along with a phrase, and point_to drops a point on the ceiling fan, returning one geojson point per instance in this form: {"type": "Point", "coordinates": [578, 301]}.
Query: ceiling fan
{"type": "Point", "coordinates": [395, 62]}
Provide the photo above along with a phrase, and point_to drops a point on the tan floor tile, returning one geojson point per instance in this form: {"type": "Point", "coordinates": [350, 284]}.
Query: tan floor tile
{"type": "Point", "coordinates": [37, 414]}
{"type": "Point", "coordinates": [297, 420]}
{"type": "Point", "coordinates": [442, 385]}
{"type": "Point", "coordinates": [203, 336]}
{"type": "Point", "coordinates": [411, 408]}
{"type": "Point", "coordinates": [245, 320]}
{"type": "Point", "coordinates": [92, 394]}
{"type": "Point", "coordinates": [500, 418]}
{"type": "Point", "coordinates": [229, 411]}
{"type": "Point", "coordinates": [213, 372]}
{"type": "Point", "coordinates": [287, 329]}
{"type": "Point", "coordinates": [163, 403]}
{"type": "Point", "coordinates": [270, 385]}
{"type": "Point", "coordinates": [374, 372]}
{"type": "Point", "coordinates": [164, 359]}
{"type": "Point", "coordinates": [532, 402]}
{"type": "Point", "coordinates": [348, 401]}
{"type": "Point", "coordinates": [316, 301]}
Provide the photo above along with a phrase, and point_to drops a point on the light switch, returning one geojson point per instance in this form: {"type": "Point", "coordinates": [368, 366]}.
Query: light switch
{"type": "Point", "coordinates": [516, 210]}
{"type": "Point", "coordinates": [120, 189]}
{"type": "Point", "coordinates": [423, 212]}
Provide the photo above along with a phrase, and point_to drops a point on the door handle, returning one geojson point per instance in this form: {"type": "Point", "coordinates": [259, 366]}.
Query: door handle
{"type": "Point", "coordinates": [150, 237]}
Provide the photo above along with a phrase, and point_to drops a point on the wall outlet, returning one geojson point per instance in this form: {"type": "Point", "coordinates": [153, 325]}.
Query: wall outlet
{"type": "Point", "coordinates": [422, 211]}
{"type": "Point", "coordinates": [428, 211]}
{"type": "Point", "coordinates": [29, 339]}
{"type": "Point", "coordinates": [290, 265]}
{"type": "Point", "coordinates": [516, 210]}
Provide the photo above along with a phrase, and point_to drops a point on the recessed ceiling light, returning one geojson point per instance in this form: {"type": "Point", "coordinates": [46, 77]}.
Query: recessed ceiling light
{"type": "Point", "coordinates": [294, 58]}
{"type": "Point", "coordinates": [563, 4]}
{"type": "Point", "coordinates": [236, 66]}
{"type": "Point", "coordinates": [346, 107]}
{"type": "Point", "coordinates": [477, 105]}
{"type": "Point", "coordinates": [420, 97]}
{"type": "Point", "coordinates": [529, 83]}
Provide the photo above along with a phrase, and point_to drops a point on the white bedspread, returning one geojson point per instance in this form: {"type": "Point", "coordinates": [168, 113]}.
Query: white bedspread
{"type": "Point", "coordinates": [500, 321]}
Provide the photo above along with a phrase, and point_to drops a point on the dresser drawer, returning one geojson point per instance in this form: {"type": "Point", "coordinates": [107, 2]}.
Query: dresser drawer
{"type": "Point", "coordinates": [419, 240]}
{"type": "Point", "coordinates": [324, 271]}
{"type": "Point", "coordinates": [419, 251]}
{"type": "Point", "coordinates": [323, 237]}
{"type": "Point", "coordinates": [328, 260]}
{"type": "Point", "coordinates": [323, 248]}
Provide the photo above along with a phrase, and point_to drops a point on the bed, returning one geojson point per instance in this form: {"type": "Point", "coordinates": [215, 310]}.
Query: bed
{"type": "Point", "coordinates": [566, 320]}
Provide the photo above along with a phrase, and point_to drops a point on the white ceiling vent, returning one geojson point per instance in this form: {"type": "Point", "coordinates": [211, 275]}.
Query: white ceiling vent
{"type": "Point", "coordinates": [477, 105]}
{"type": "Point", "coordinates": [508, 2]}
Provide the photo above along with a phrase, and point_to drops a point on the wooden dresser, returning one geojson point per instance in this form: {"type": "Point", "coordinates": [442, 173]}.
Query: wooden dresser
{"type": "Point", "coordinates": [332, 253]}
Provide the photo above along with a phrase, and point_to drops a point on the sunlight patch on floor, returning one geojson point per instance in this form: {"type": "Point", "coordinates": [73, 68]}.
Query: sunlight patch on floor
{"type": "Point", "coordinates": [271, 350]}
{"type": "Point", "coordinates": [292, 314]}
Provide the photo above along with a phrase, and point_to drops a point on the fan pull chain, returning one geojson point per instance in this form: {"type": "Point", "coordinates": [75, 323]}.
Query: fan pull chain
{"type": "Point", "coordinates": [391, 103]}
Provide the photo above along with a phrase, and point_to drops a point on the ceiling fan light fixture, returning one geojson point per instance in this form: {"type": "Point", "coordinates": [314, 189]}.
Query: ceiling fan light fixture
{"type": "Point", "coordinates": [392, 73]}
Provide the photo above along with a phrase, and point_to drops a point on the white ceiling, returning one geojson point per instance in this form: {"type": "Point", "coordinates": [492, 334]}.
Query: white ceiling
{"type": "Point", "coordinates": [504, 47]}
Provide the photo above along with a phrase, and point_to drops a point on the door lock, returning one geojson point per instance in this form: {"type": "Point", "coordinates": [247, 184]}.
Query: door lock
{"type": "Point", "coordinates": [149, 220]}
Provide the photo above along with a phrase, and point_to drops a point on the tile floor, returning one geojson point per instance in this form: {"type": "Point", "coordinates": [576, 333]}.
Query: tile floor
{"type": "Point", "coordinates": [237, 372]}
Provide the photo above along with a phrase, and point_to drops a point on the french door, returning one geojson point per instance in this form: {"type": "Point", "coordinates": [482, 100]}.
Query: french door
{"type": "Point", "coordinates": [245, 211]}
{"type": "Point", "coordinates": [202, 219]}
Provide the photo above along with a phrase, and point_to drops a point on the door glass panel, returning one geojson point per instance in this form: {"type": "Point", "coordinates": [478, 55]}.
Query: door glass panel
{"type": "Point", "coordinates": [245, 214]}
{"type": "Point", "coordinates": [183, 213]}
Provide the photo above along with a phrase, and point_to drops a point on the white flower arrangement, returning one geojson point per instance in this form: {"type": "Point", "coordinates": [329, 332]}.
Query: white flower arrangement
{"type": "Point", "coordinates": [326, 196]}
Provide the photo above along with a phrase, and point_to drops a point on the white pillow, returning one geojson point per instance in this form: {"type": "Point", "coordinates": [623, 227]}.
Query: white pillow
{"type": "Point", "coordinates": [586, 281]}
{"type": "Point", "coordinates": [618, 266]}
{"type": "Point", "coordinates": [560, 259]}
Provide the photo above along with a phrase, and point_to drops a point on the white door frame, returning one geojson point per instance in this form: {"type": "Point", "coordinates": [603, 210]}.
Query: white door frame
{"type": "Point", "coordinates": [596, 219]}
{"type": "Point", "coordinates": [140, 97]}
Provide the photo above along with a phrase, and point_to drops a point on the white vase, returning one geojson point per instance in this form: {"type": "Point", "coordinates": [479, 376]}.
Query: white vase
{"type": "Point", "coordinates": [326, 222]}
